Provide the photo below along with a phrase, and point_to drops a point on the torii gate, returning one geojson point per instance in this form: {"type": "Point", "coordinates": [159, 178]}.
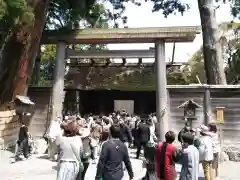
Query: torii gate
{"type": "Point", "coordinates": [157, 35]}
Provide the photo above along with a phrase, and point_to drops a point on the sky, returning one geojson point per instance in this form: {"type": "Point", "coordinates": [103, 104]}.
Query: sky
{"type": "Point", "coordinates": [143, 17]}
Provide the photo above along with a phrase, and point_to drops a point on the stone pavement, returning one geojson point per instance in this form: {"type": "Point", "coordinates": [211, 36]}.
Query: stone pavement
{"type": "Point", "coordinates": [39, 168]}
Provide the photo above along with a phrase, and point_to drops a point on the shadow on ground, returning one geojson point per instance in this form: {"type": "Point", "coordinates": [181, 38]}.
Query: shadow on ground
{"type": "Point", "coordinates": [45, 156]}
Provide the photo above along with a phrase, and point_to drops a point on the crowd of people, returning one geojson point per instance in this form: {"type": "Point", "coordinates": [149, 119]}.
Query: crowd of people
{"type": "Point", "coordinates": [74, 142]}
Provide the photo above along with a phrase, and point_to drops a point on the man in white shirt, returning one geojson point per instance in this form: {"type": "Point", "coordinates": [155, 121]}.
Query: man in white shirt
{"type": "Point", "coordinates": [54, 132]}
{"type": "Point", "coordinates": [206, 152]}
{"type": "Point", "coordinates": [189, 158]}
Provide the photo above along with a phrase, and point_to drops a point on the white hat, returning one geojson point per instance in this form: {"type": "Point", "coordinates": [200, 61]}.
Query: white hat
{"type": "Point", "coordinates": [204, 129]}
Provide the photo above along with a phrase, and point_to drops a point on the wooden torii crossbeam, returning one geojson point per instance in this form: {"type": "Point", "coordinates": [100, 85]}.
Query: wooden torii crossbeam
{"type": "Point", "coordinates": [98, 54]}
{"type": "Point", "coordinates": [108, 63]}
{"type": "Point", "coordinates": [103, 58]}
{"type": "Point", "coordinates": [122, 35]}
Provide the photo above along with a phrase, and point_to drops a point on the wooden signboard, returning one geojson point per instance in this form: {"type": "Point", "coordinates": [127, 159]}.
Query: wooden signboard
{"type": "Point", "coordinates": [220, 115]}
{"type": "Point", "coordinates": [220, 121]}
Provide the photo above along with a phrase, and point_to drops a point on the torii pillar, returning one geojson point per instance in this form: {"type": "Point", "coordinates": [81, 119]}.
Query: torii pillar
{"type": "Point", "coordinates": [58, 82]}
{"type": "Point", "coordinates": [161, 90]}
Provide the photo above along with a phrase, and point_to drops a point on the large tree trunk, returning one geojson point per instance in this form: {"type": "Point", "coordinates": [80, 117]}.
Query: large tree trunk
{"type": "Point", "coordinates": [19, 53]}
{"type": "Point", "coordinates": [35, 77]}
{"type": "Point", "coordinates": [211, 44]}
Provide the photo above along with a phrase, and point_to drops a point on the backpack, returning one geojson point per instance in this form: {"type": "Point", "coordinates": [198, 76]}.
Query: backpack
{"type": "Point", "coordinates": [86, 153]}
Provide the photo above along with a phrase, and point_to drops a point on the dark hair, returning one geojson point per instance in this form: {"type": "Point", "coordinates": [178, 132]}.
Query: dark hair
{"type": "Point", "coordinates": [170, 137]}
{"type": "Point", "coordinates": [203, 134]}
{"type": "Point", "coordinates": [188, 138]}
{"type": "Point", "coordinates": [212, 127]}
{"type": "Point", "coordinates": [115, 131]}
{"type": "Point", "coordinates": [106, 121]}
{"type": "Point", "coordinates": [63, 126]}
{"type": "Point", "coordinates": [71, 129]}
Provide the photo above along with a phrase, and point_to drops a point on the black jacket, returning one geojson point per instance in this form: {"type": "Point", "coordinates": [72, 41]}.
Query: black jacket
{"type": "Point", "coordinates": [23, 134]}
{"type": "Point", "coordinates": [143, 133]}
{"type": "Point", "coordinates": [125, 133]}
{"type": "Point", "coordinates": [110, 166]}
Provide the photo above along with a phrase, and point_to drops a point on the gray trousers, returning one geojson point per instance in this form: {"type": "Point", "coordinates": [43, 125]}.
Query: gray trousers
{"type": "Point", "coordinates": [52, 149]}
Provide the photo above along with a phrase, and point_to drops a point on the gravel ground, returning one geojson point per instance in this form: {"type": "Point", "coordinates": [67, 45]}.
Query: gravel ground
{"type": "Point", "coordinates": [40, 168]}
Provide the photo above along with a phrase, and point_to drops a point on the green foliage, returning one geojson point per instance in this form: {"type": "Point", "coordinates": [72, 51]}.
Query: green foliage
{"type": "Point", "coordinates": [66, 13]}
{"type": "Point", "coordinates": [235, 6]}
{"type": "Point", "coordinates": [12, 13]}
{"type": "Point", "coordinates": [47, 64]}
{"type": "Point", "coordinates": [169, 6]}
{"type": "Point", "coordinates": [232, 65]}
{"type": "Point", "coordinates": [195, 69]}
{"type": "Point", "coordinates": [15, 12]}
{"type": "Point", "coordinates": [92, 13]}
{"type": "Point", "coordinates": [233, 62]}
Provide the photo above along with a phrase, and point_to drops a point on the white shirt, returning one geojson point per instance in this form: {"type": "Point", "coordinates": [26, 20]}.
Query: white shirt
{"type": "Point", "coordinates": [55, 130]}
{"type": "Point", "coordinates": [206, 148]}
{"type": "Point", "coordinates": [154, 119]}
{"type": "Point", "coordinates": [90, 121]}
{"type": "Point", "coordinates": [216, 143]}
{"type": "Point", "coordinates": [152, 134]}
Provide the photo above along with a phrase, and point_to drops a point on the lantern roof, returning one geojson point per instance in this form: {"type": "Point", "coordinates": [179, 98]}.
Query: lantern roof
{"type": "Point", "coordinates": [190, 104]}
{"type": "Point", "coordinates": [24, 100]}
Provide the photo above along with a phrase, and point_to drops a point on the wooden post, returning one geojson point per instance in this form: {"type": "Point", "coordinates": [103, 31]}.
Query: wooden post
{"type": "Point", "coordinates": [220, 121]}
{"type": "Point", "coordinates": [207, 106]}
{"type": "Point", "coordinates": [161, 89]}
{"type": "Point", "coordinates": [58, 84]}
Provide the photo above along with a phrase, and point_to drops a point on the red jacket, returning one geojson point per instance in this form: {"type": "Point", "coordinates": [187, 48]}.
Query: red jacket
{"type": "Point", "coordinates": [165, 165]}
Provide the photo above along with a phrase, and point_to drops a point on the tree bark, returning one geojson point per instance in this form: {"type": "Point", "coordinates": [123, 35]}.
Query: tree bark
{"type": "Point", "coordinates": [19, 54]}
{"type": "Point", "coordinates": [35, 78]}
{"type": "Point", "coordinates": [212, 53]}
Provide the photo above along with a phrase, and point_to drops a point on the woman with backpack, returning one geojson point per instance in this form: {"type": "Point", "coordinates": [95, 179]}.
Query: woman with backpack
{"type": "Point", "coordinates": [86, 155]}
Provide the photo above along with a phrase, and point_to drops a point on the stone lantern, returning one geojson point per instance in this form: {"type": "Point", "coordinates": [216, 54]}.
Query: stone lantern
{"type": "Point", "coordinates": [24, 108]}
{"type": "Point", "coordinates": [189, 107]}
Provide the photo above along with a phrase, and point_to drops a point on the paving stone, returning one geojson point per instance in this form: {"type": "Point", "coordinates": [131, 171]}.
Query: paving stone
{"type": "Point", "coordinates": [41, 168]}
